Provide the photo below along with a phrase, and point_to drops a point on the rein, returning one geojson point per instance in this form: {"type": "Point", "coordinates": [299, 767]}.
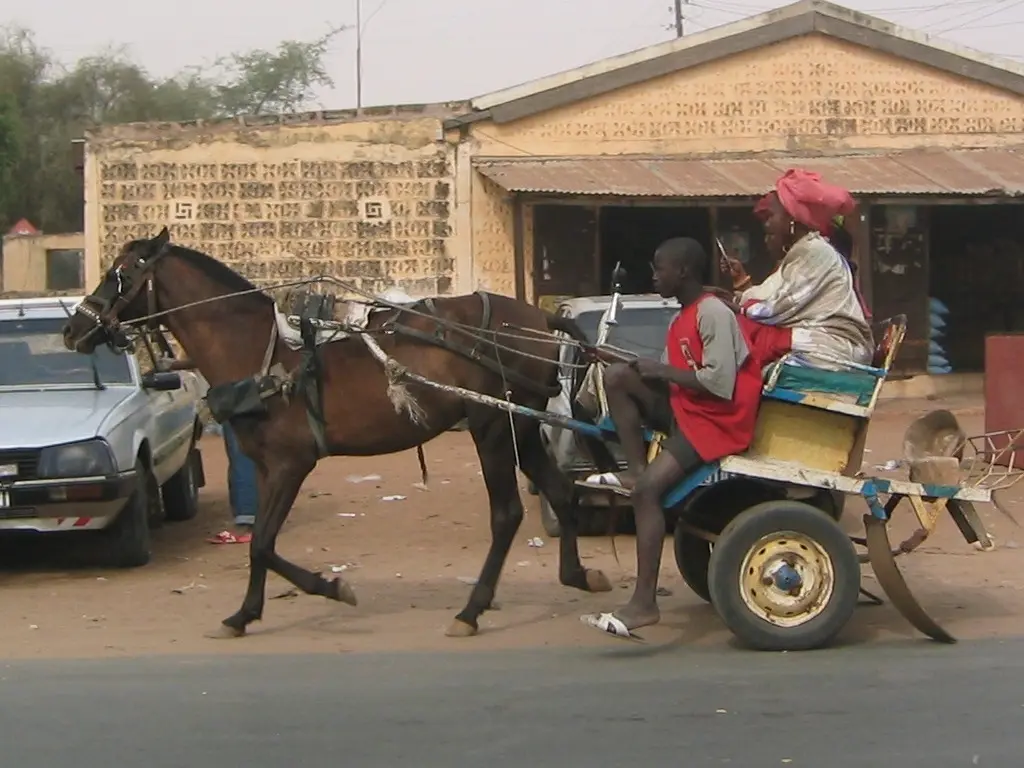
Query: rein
{"type": "Point", "coordinates": [490, 337]}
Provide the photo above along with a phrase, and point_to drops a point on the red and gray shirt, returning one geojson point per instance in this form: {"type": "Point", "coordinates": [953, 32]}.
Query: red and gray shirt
{"type": "Point", "coordinates": [705, 337]}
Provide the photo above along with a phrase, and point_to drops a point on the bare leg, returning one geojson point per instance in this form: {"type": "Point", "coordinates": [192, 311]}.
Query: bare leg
{"type": "Point", "coordinates": [627, 393]}
{"type": "Point", "coordinates": [663, 473]}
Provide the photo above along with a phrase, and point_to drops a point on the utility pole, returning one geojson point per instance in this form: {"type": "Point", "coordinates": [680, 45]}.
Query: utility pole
{"type": "Point", "coordinates": [359, 53]}
{"type": "Point", "coordinates": [679, 16]}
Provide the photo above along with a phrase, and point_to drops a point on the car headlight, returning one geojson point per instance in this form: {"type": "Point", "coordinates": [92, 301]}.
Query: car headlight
{"type": "Point", "coordinates": [91, 457]}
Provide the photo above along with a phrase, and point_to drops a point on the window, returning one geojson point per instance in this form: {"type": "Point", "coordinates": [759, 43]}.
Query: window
{"type": "Point", "coordinates": [64, 267]}
{"type": "Point", "coordinates": [32, 354]}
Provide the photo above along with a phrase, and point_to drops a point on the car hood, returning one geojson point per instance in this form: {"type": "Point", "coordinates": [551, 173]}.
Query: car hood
{"type": "Point", "coordinates": [33, 419]}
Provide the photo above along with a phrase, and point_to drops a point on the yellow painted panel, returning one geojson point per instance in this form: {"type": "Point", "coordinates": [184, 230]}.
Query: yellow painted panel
{"type": "Point", "coordinates": [807, 436]}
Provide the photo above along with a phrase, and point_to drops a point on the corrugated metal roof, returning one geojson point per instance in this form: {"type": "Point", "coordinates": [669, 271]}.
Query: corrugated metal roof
{"type": "Point", "coordinates": [920, 172]}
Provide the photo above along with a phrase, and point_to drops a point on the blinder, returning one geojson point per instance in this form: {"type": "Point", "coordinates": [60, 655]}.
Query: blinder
{"type": "Point", "coordinates": [130, 277]}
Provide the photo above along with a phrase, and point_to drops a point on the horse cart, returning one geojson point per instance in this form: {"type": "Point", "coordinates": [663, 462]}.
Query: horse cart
{"type": "Point", "coordinates": [758, 535]}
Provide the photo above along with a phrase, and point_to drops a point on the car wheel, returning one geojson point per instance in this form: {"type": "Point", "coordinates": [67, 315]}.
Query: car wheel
{"type": "Point", "coordinates": [181, 491]}
{"type": "Point", "coordinates": [548, 518]}
{"type": "Point", "coordinates": [590, 521]}
{"type": "Point", "coordinates": [129, 535]}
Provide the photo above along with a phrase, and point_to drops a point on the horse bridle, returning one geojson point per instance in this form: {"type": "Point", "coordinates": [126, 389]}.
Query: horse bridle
{"type": "Point", "coordinates": [132, 276]}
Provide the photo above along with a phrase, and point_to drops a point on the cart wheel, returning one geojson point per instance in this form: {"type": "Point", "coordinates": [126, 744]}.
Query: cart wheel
{"type": "Point", "coordinates": [693, 555]}
{"type": "Point", "coordinates": [784, 577]}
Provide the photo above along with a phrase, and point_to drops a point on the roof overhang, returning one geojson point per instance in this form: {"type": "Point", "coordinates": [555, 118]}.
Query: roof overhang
{"type": "Point", "coordinates": [968, 172]}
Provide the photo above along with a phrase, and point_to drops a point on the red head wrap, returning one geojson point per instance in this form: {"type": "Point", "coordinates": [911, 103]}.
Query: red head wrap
{"type": "Point", "coordinates": [809, 200]}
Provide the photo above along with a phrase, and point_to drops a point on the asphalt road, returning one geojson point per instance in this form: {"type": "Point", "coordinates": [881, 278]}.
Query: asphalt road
{"type": "Point", "coordinates": [908, 704]}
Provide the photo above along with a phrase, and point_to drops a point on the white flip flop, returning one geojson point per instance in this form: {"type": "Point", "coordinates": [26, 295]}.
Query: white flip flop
{"type": "Point", "coordinates": [610, 624]}
{"type": "Point", "coordinates": [605, 481]}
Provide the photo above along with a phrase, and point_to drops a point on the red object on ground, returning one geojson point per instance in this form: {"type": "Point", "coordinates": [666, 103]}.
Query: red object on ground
{"type": "Point", "coordinates": [1004, 379]}
{"type": "Point", "coordinates": [227, 537]}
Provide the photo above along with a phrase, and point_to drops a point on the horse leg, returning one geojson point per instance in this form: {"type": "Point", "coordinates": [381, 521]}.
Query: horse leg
{"type": "Point", "coordinates": [492, 435]}
{"type": "Point", "coordinates": [277, 494]}
{"type": "Point", "coordinates": [537, 464]}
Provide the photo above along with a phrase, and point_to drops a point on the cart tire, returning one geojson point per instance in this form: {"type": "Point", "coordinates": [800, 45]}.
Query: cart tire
{"type": "Point", "coordinates": [812, 570]}
{"type": "Point", "coordinates": [693, 556]}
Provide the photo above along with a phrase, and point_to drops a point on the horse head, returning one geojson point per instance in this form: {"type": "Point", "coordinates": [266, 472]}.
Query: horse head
{"type": "Point", "coordinates": [125, 293]}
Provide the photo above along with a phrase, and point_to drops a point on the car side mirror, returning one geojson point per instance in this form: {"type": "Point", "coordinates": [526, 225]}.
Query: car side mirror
{"type": "Point", "coordinates": [162, 381]}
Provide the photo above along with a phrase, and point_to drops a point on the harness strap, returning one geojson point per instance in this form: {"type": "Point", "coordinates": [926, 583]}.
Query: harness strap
{"type": "Point", "coordinates": [474, 353]}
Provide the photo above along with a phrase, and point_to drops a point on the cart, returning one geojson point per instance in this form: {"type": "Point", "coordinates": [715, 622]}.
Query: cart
{"type": "Point", "coordinates": [758, 535]}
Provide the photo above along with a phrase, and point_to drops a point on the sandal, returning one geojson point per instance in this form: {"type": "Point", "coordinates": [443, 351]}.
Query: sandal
{"type": "Point", "coordinates": [610, 624]}
{"type": "Point", "coordinates": [606, 481]}
{"type": "Point", "coordinates": [227, 537]}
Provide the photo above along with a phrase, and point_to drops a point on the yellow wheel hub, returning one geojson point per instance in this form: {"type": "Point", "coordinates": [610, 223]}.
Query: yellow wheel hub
{"type": "Point", "coordinates": [787, 579]}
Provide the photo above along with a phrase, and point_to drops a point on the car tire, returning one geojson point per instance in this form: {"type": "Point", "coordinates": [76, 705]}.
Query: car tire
{"type": "Point", "coordinates": [548, 519]}
{"type": "Point", "coordinates": [129, 538]}
{"type": "Point", "coordinates": [181, 491]}
{"type": "Point", "coordinates": [591, 521]}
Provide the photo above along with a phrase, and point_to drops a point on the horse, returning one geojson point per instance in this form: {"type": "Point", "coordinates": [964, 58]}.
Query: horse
{"type": "Point", "coordinates": [228, 329]}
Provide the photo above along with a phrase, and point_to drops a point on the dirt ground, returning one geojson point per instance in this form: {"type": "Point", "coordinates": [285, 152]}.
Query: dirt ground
{"type": "Point", "coordinates": [410, 560]}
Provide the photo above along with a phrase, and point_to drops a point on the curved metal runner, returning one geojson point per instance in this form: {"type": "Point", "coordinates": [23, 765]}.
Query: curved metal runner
{"type": "Point", "coordinates": [893, 583]}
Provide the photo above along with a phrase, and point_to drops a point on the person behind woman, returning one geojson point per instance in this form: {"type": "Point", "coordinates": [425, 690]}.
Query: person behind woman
{"type": "Point", "coordinates": [809, 305]}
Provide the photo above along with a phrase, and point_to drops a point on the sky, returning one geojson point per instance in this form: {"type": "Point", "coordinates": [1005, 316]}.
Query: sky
{"type": "Point", "coordinates": [417, 51]}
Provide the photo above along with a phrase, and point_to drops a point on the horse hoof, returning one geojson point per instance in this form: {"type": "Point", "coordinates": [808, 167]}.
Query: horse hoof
{"type": "Point", "coordinates": [460, 629]}
{"type": "Point", "coordinates": [224, 632]}
{"type": "Point", "coordinates": [597, 581]}
{"type": "Point", "coordinates": [344, 593]}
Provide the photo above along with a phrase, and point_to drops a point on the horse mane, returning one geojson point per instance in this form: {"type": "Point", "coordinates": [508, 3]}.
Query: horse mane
{"type": "Point", "coordinates": [218, 272]}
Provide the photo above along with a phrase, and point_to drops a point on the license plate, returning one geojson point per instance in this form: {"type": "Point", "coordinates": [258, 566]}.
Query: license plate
{"type": "Point", "coordinates": [8, 470]}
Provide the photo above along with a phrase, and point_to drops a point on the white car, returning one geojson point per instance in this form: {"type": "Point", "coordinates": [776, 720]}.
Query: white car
{"type": "Point", "coordinates": [89, 442]}
{"type": "Point", "coordinates": [641, 325]}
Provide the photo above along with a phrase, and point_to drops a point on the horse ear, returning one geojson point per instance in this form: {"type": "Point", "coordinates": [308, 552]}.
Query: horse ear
{"type": "Point", "coordinates": [161, 239]}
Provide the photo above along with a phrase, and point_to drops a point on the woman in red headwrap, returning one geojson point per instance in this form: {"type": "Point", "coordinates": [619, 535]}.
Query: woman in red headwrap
{"type": "Point", "coordinates": [810, 304]}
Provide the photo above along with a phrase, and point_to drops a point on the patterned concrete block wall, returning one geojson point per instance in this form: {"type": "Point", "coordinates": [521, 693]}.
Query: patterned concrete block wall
{"type": "Point", "coordinates": [363, 198]}
{"type": "Point", "coordinates": [806, 94]}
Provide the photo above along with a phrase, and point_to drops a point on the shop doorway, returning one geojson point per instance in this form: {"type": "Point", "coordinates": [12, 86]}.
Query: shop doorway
{"type": "Point", "coordinates": [630, 235]}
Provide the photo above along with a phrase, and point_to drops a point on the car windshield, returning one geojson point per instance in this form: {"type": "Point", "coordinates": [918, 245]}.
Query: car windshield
{"type": "Point", "coordinates": [640, 331]}
{"type": "Point", "coordinates": [32, 354]}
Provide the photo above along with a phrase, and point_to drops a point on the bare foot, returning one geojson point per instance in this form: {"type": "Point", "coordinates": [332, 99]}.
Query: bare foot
{"type": "Point", "coordinates": [635, 617]}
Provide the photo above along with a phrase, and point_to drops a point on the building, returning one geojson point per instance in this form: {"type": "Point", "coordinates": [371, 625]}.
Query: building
{"type": "Point", "coordinates": [367, 196]}
{"type": "Point", "coordinates": [37, 264]}
{"type": "Point", "coordinates": [540, 189]}
{"type": "Point", "coordinates": [583, 169]}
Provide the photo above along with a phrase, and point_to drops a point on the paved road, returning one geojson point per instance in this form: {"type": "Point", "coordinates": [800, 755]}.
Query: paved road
{"type": "Point", "coordinates": [911, 704]}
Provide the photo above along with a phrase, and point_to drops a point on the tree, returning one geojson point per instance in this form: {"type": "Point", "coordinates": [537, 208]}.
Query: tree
{"type": "Point", "coordinates": [10, 153]}
{"type": "Point", "coordinates": [271, 82]}
{"type": "Point", "coordinates": [46, 105]}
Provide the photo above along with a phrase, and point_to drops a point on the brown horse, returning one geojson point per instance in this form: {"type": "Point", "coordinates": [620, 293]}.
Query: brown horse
{"type": "Point", "coordinates": [231, 333]}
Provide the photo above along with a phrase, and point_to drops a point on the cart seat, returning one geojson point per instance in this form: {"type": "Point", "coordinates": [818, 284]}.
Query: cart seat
{"type": "Point", "coordinates": [855, 386]}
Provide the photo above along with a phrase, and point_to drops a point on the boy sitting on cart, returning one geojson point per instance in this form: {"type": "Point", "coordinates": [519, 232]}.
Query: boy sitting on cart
{"type": "Point", "coordinates": [704, 396]}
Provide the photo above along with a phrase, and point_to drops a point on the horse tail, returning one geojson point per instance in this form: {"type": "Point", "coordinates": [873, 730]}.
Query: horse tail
{"type": "Point", "coordinates": [423, 464]}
